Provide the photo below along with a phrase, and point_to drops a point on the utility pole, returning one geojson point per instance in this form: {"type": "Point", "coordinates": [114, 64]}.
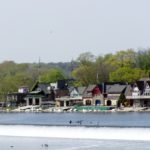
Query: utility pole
{"type": "Point", "coordinates": [39, 66]}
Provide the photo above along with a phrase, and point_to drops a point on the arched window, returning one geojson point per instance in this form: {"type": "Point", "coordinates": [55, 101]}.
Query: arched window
{"type": "Point", "coordinates": [97, 102]}
{"type": "Point", "coordinates": [108, 102]}
{"type": "Point", "coordinates": [88, 102]}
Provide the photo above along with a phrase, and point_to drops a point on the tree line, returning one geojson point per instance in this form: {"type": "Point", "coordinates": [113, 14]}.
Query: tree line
{"type": "Point", "coordinates": [123, 66]}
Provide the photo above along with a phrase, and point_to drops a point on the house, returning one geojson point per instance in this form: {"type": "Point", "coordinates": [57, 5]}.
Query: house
{"type": "Point", "coordinates": [93, 95]}
{"type": "Point", "coordinates": [112, 92]}
{"type": "Point", "coordinates": [76, 95]}
{"type": "Point", "coordinates": [17, 98]}
{"type": "Point", "coordinates": [62, 101]}
{"type": "Point", "coordinates": [70, 99]}
{"type": "Point", "coordinates": [139, 95]}
{"type": "Point", "coordinates": [41, 94]}
{"type": "Point", "coordinates": [90, 95]}
{"type": "Point", "coordinates": [47, 94]}
{"type": "Point", "coordinates": [62, 93]}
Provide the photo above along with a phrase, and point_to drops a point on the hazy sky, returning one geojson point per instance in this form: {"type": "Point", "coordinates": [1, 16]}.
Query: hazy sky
{"type": "Point", "coordinates": [60, 30]}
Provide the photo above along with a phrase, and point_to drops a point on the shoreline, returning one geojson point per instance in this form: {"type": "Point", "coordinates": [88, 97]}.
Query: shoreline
{"type": "Point", "coordinates": [73, 109]}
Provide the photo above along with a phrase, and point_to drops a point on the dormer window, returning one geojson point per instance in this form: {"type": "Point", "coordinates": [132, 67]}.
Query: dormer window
{"type": "Point", "coordinates": [23, 90]}
{"type": "Point", "coordinates": [136, 89]}
{"type": "Point", "coordinates": [136, 92]}
{"type": "Point", "coordinates": [147, 90]}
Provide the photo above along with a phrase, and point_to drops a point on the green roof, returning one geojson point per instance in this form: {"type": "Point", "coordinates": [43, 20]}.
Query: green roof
{"type": "Point", "coordinates": [35, 96]}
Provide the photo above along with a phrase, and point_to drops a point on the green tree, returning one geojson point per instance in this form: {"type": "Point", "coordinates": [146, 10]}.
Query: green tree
{"type": "Point", "coordinates": [122, 100]}
{"type": "Point", "coordinates": [92, 70]}
{"type": "Point", "coordinates": [126, 74]}
{"type": "Point", "coordinates": [124, 58]}
{"type": "Point", "coordinates": [143, 59]}
{"type": "Point", "coordinates": [84, 75]}
{"type": "Point", "coordinates": [86, 58]}
{"type": "Point", "coordinates": [52, 75]}
{"type": "Point", "coordinates": [103, 69]}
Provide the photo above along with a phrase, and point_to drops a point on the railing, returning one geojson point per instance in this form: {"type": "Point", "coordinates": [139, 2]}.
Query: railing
{"type": "Point", "coordinates": [138, 97]}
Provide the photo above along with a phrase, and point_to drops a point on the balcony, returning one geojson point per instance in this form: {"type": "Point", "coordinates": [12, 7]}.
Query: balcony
{"type": "Point", "coordinates": [138, 97]}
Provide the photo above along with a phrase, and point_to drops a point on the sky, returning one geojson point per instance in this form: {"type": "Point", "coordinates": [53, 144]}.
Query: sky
{"type": "Point", "coordinates": [60, 30]}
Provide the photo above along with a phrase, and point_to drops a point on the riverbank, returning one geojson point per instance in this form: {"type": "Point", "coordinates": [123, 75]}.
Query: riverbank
{"type": "Point", "coordinates": [76, 109]}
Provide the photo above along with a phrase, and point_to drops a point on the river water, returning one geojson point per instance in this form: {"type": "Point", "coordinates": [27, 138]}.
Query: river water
{"type": "Point", "coordinates": [75, 131]}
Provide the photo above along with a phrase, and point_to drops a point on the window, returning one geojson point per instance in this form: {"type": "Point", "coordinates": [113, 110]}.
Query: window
{"type": "Point", "coordinates": [37, 101]}
{"type": "Point", "coordinates": [109, 103]}
{"type": "Point", "coordinates": [30, 101]}
{"type": "Point", "coordinates": [88, 102]}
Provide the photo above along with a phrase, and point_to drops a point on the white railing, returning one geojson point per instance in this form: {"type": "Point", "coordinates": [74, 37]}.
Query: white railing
{"type": "Point", "coordinates": [138, 97]}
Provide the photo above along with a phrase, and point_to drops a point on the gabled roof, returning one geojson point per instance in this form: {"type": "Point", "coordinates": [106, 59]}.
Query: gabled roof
{"type": "Point", "coordinates": [90, 87]}
{"type": "Point", "coordinates": [88, 90]}
{"type": "Point", "coordinates": [148, 82]}
{"type": "Point", "coordinates": [44, 87]}
{"type": "Point", "coordinates": [128, 90]}
{"type": "Point", "coordinates": [81, 90]}
{"type": "Point", "coordinates": [71, 88]}
{"type": "Point", "coordinates": [41, 87]}
{"type": "Point", "coordinates": [115, 89]}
